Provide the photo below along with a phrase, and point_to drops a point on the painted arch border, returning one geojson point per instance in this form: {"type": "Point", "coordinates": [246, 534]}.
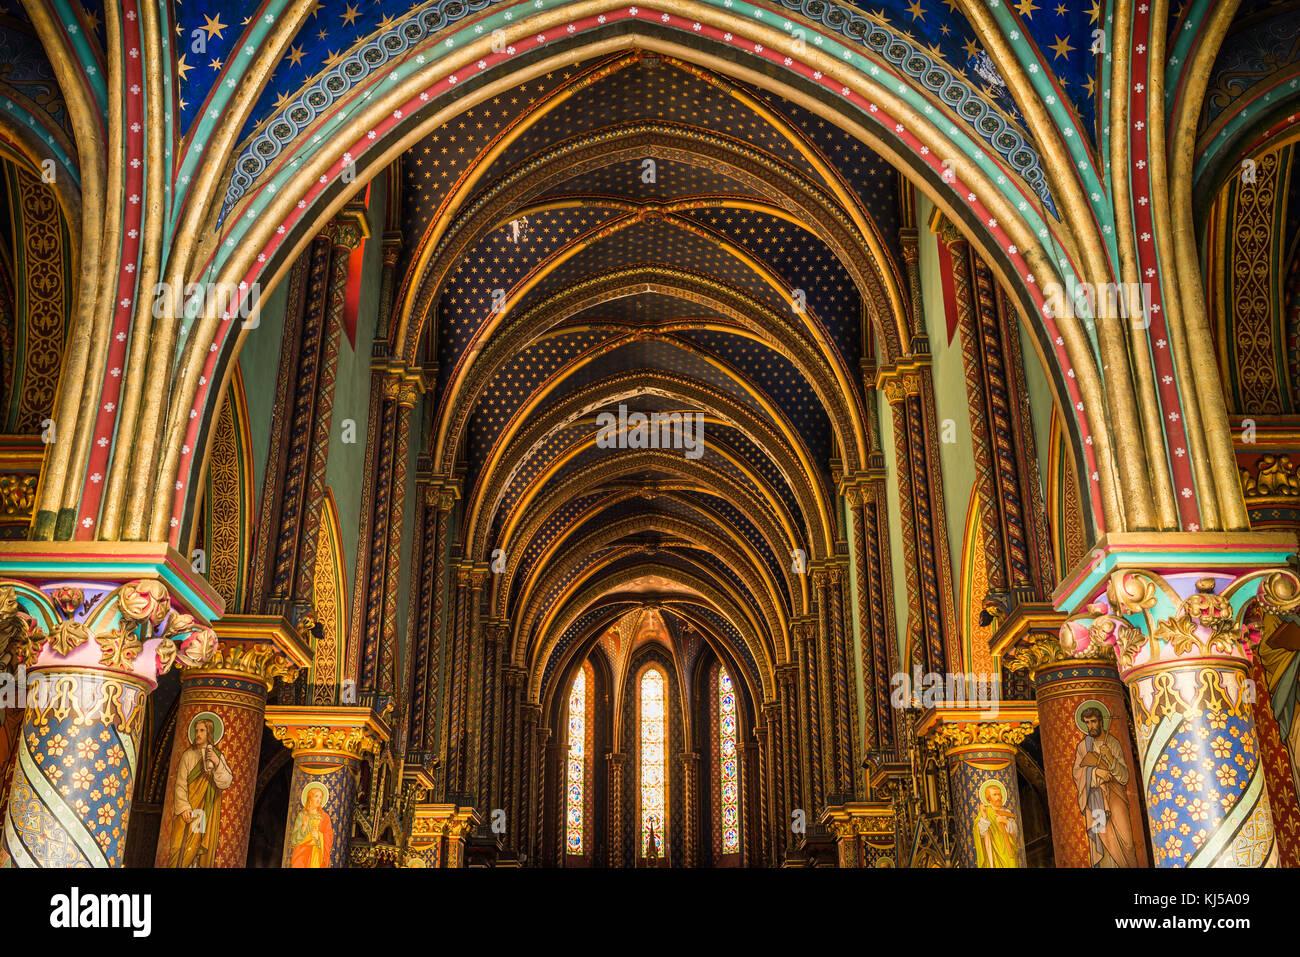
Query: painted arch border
{"type": "Point", "coordinates": [1060, 343]}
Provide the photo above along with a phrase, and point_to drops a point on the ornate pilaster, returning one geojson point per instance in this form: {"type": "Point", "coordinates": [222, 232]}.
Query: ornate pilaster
{"type": "Point", "coordinates": [791, 749]}
{"type": "Point", "coordinates": [617, 782]}
{"type": "Point", "coordinates": [863, 832]}
{"type": "Point", "coordinates": [981, 755]}
{"type": "Point", "coordinates": [453, 746]}
{"type": "Point", "coordinates": [1183, 638]}
{"type": "Point", "coordinates": [489, 734]}
{"type": "Point", "coordinates": [394, 393]}
{"type": "Point", "coordinates": [907, 388]}
{"type": "Point", "coordinates": [810, 717]}
{"type": "Point", "coordinates": [91, 650]}
{"type": "Point", "coordinates": [478, 673]}
{"type": "Point", "coordinates": [328, 745]}
{"type": "Point", "coordinates": [438, 835]}
{"type": "Point", "coordinates": [690, 765]}
{"type": "Point", "coordinates": [1089, 763]}
{"type": "Point", "coordinates": [770, 798]}
{"type": "Point", "coordinates": [429, 601]}
{"type": "Point", "coordinates": [208, 804]}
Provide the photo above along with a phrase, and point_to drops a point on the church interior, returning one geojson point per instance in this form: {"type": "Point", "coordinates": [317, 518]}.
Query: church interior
{"type": "Point", "coordinates": [698, 434]}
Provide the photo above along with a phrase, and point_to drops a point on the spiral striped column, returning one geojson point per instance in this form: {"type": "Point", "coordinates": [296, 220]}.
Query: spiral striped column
{"type": "Point", "coordinates": [1182, 638]}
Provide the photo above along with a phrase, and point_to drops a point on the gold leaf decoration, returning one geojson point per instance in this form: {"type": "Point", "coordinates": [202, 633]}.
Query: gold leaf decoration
{"type": "Point", "coordinates": [68, 636]}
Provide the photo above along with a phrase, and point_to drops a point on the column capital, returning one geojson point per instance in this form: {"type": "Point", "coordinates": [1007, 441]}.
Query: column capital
{"type": "Point", "coordinates": [866, 818]}
{"type": "Point", "coordinates": [1007, 724]}
{"type": "Point", "coordinates": [901, 379]}
{"type": "Point", "coordinates": [341, 732]}
{"type": "Point", "coordinates": [397, 383]}
{"type": "Point", "coordinates": [261, 647]}
{"type": "Point", "coordinates": [1154, 621]}
{"type": "Point", "coordinates": [131, 629]}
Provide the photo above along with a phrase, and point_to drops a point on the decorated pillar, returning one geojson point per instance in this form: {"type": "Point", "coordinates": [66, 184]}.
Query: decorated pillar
{"type": "Point", "coordinates": [328, 745]}
{"type": "Point", "coordinates": [92, 649]}
{"type": "Point", "coordinates": [1089, 761]}
{"type": "Point", "coordinates": [208, 805]}
{"type": "Point", "coordinates": [1183, 638]}
{"type": "Point", "coordinates": [980, 748]}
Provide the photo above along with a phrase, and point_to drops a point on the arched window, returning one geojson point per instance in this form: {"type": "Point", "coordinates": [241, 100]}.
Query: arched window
{"type": "Point", "coordinates": [728, 769]}
{"type": "Point", "coordinates": [654, 760]}
{"type": "Point", "coordinates": [576, 774]}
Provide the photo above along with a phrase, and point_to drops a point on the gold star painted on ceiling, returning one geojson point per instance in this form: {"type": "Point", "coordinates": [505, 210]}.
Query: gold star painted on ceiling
{"type": "Point", "coordinates": [182, 68]}
{"type": "Point", "coordinates": [295, 55]}
{"type": "Point", "coordinates": [350, 15]}
{"type": "Point", "coordinates": [1089, 86]}
{"type": "Point", "coordinates": [1061, 48]}
{"type": "Point", "coordinates": [914, 8]}
{"type": "Point", "coordinates": [216, 65]}
{"type": "Point", "coordinates": [92, 19]}
{"type": "Point", "coordinates": [1060, 10]}
{"type": "Point", "coordinates": [185, 104]}
{"type": "Point", "coordinates": [214, 26]}
{"type": "Point", "coordinates": [1094, 11]}
{"type": "Point", "coordinates": [971, 47]}
{"type": "Point", "coordinates": [1026, 9]}
{"type": "Point", "coordinates": [280, 100]}
{"type": "Point", "coordinates": [318, 8]}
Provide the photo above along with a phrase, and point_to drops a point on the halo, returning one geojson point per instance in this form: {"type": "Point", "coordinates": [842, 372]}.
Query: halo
{"type": "Point", "coordinates": [218, 726]}
{"type": "Point", "coordinates": [989, 783]}
{"type": "Point", "coordinates": [316, 786]}
{"type": "Point", "coordinates": [1084, 706]}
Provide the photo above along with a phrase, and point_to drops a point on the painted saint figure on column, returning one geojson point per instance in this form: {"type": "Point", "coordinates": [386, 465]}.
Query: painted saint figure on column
{"type": "Point", "coordinates": [312, 837]}
{"type": "Point", "coordinates": [1101, 777]}
{"type": "Point", "coordinates": [995, 828]}
{"type": "Point", "coordinates": [201, 776]}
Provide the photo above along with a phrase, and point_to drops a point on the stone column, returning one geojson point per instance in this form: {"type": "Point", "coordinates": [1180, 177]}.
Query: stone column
{"type": "Point", "coordinates": [1095, 802]}
{"type": "Point", "coordinates": [328, 745]}
{"type": "Point", "coordinates": [92, 652]}
{"type": "Point", "coordinates": [981, 755]}
{"type": "Point", "coordinates": [208, 805]}
{"type": "Point", "coordinates": [1182, 641]}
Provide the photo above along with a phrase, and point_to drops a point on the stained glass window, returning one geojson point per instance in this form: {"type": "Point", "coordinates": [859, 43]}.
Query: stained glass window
{"type": "Point", "coordinates": [577, 764]}
{"type": "Point", "coordinates": [654, 759]}
{"type": "Point", "coordinates": [730, 777]}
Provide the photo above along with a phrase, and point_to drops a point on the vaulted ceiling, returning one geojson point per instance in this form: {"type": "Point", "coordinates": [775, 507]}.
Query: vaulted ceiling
{"type": "Point", "coordinates": [634, 230]}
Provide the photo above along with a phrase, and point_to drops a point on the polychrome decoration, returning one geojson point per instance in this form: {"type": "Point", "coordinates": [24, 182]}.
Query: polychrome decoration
{"type": "Point", "coordinates": [654, 764]}
{"type": "Point", "coordinates": [730, 778]}
{"type": "Point", "coordinates": [577, 764]}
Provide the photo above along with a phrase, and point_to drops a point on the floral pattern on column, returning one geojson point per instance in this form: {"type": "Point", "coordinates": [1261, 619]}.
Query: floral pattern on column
{"type": "Point", "coordinates": [1183, 643]}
